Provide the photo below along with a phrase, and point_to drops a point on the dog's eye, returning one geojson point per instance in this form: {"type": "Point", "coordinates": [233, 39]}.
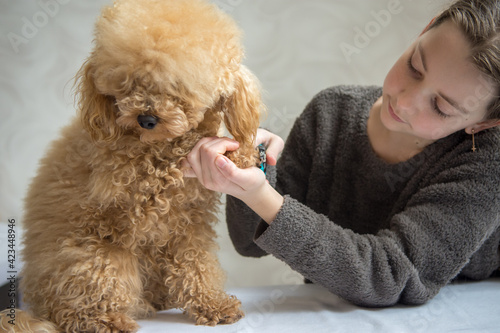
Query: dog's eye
{"type": "Point", "coordinates": [147, 122]}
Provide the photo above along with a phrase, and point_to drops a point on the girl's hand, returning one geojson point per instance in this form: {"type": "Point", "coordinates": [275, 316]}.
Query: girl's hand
{"type": "Point", "coordinates": [273, 143]}
{"type": "Point", "coordinates": [207, 162]}
{"type": "Point", "coordinates": [217, 173]}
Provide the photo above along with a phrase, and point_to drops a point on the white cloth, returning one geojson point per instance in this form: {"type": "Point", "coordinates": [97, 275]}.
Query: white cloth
{"type": "Point", "coordinates": [459, 307]}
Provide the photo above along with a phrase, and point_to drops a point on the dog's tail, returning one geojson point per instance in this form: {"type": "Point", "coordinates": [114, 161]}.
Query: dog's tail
{"type": "Point", "coordinates": [19, 321]}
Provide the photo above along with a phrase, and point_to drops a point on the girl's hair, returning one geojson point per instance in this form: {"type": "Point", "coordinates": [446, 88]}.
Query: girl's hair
{"type": "Point", "coordinates": [480, 21]}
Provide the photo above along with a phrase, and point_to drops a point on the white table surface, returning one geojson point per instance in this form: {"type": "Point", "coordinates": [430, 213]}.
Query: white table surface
{"type": "Point", "coordinates": [460, 307]}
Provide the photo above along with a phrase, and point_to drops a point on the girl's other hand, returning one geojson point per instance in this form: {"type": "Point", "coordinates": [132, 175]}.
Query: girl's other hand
{"type": "Point", "coordinates": [273, 143]}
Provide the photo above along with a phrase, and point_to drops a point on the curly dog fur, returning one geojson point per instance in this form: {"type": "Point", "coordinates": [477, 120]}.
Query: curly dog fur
{"type": "Point", "coordinates": [113, 232]}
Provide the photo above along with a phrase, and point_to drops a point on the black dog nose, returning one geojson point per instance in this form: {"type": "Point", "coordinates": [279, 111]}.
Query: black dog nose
{"type": "Point", "coordinates": [147, 122]}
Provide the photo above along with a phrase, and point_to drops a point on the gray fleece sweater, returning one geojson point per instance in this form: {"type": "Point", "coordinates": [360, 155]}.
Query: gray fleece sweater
{"type": "Point", "coordinates": [374, 233]}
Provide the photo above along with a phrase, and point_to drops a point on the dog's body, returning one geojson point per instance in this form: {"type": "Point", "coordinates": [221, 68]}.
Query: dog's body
{"type": "Point", "coordinates": [113, 232]}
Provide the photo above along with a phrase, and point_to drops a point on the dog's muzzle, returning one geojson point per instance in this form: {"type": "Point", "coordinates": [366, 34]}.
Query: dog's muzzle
{"type": "Point", "coordinates": [147, 122]}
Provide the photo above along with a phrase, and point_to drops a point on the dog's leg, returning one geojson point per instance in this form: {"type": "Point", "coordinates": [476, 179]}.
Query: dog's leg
{"type": "Point", "coordinates": [195, 287]}
{"type": "Point", "coordinates": [194, 279]}
{"type": "Point", "coordinates": [96, 289]}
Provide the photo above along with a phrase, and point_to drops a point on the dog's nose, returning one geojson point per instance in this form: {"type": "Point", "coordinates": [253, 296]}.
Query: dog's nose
{"type": "Point", "coordinates": [147, 122]}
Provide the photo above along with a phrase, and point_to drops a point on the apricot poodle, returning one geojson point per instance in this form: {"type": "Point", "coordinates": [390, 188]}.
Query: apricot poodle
{"type": "Point", "coordinates": [113, 232]}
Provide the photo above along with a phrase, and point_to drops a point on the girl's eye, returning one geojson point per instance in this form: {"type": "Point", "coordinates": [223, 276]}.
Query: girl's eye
{"type": "Point", "coordinates": [438, 110]}
{"type": "Point", "coordinates": [435, 106]}
{"type": "Point", "coordinates": [412, 69]}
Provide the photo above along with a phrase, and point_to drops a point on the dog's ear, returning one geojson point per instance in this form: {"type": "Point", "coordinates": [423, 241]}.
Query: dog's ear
{"type": "Point", "coordinates": [242, 110]}
{"type": "Point", "coordinates": [97, 110]}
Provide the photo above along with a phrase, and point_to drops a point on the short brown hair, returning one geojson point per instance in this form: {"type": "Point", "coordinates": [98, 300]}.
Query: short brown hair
{"type": "Point", "coordinates": [480, 21]}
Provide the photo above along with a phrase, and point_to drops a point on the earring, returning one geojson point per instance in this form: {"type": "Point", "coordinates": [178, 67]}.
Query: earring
{"type": "Point", "coordinates": [473, 142]}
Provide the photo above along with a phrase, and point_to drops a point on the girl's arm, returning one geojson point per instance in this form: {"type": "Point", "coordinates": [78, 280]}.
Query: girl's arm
{"type": "Point", "coordinates": [427, 244]}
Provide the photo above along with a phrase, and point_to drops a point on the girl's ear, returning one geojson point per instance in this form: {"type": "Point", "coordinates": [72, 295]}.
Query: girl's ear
{"type": "Point", "coordinates": [483, 125]}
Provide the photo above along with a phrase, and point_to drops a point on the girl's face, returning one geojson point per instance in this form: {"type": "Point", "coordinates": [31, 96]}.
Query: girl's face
{"type": "Point", "coordinates": [434, 90]}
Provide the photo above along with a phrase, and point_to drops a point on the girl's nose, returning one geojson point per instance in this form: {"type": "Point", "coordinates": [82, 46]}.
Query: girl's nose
{"type": "Point", "coordinates": [409, 101]}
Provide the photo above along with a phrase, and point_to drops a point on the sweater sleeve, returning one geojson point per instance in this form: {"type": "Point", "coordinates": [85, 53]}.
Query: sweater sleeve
{"type": "Point", "coordinates": [428, 243]}
{"type": "Point", "coordinates": [241, 220]}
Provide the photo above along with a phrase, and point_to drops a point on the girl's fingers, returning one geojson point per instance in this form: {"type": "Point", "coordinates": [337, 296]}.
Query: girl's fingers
{"type": "Point", "coordinates": [200, 161]}
{"type": "Point", "coordinates": [208, 154]}
{"type": "Point", "coordinates": [273, 150]}
{"type": "Point", "coordinates": [186, 169]}
{"type": "Point", "coordinates": [216, 172]}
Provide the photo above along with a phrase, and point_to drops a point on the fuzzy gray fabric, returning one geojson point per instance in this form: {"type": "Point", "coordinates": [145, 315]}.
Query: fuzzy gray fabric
{"type": "Point", "coordinates": [374, 233]}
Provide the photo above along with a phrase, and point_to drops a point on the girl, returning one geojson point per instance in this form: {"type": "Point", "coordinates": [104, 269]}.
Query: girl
{"type": "Point", "coordinates": [381, 194]}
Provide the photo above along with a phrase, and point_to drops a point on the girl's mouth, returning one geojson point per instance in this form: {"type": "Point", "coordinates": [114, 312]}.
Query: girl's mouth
{"type": "Point", "coordinates": [393, 114]}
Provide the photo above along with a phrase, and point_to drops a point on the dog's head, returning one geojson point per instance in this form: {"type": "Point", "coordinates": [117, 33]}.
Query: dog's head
{"type": "Point", "coordinates": [158, 68]}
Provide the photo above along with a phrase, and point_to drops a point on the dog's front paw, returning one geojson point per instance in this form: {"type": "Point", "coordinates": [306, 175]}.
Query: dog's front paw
{"type": "Point", "coordinates": [244, 157]}
{"type": "Point", "coordinates": [119, 322]}
{"type": "Point", "coordinates": [227, 312]}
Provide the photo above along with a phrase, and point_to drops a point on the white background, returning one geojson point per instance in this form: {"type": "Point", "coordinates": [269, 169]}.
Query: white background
{"type": "Point", "coordinates": [293, 46]}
